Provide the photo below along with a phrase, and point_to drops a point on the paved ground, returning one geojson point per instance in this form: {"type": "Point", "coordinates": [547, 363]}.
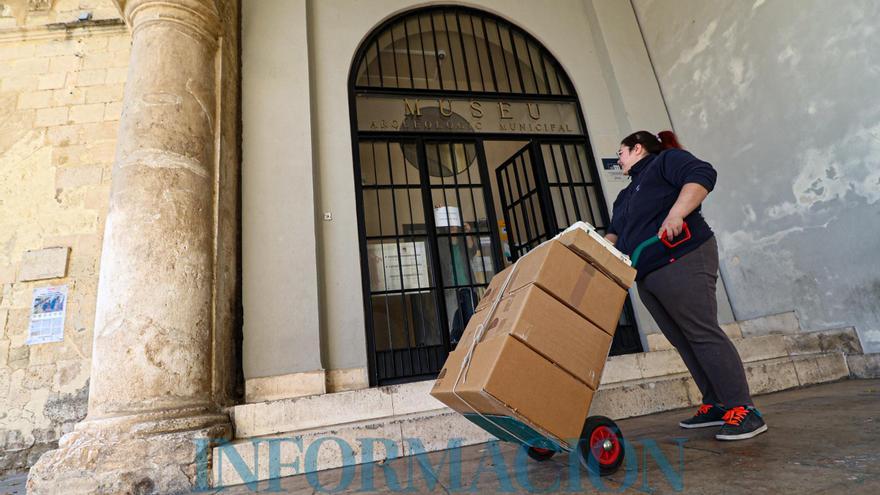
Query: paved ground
{"type": "Point", "coordinates": [13, 484]}
{"type": "Point", "coordinates": [822, 439]}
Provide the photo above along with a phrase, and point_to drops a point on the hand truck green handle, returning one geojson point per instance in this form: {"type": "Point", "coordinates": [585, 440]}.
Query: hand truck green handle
{"type": "Point", "coordinates": [661, 238]}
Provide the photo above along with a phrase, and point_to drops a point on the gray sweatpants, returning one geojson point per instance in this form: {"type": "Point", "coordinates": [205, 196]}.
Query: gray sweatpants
{"type": "Point", "coordinates": [681, 298]}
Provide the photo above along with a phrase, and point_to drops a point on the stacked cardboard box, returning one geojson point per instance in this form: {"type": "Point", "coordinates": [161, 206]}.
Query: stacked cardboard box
{"type": "Point", "coordinates": [543, 330]}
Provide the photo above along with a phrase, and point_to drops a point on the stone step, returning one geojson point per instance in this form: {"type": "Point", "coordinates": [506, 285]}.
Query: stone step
{"type": "Point", "coordinates": [316, 411]}
{"type": "Point", "coordinates": [666, 362]}
{"type": "Point", "coordinates": [265, 457]}
{"type": "Point", "coordinates": [650, 395]}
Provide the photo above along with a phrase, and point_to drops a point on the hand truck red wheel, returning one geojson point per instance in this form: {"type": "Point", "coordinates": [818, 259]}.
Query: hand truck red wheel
{"type": "Point", "coordinates": [601, 448]}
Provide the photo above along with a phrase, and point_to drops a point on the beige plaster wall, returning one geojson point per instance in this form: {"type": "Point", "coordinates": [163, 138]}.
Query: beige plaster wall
{"type": "Point", "coordinates": [60, 94]}
{"type": "Point", "coordinates": [597, 42]}
{"type": "Point", "coordinates": [280, 291]}
{"type": "Point", "coordinates": [337, 28]}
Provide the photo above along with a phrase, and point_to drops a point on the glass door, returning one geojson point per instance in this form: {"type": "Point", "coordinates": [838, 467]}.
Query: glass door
{"type": "Point", "coordinates": [467, 244]}
{"type": "Point", "coordinates": [430, 250]}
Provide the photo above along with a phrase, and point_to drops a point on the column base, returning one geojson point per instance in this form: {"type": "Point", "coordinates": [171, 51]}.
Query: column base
{"type": "Point", "coordinates": [141, 454]}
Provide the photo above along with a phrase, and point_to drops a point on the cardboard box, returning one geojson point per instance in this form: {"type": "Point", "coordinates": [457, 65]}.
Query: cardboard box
{"type": "Point", "coordinates": [506, 377]}
{"type": "Point", "coordinates": [568, 277]}
{"type": "Point", "coordinates": [549, 328]}
{"type": "Point", "coordinates": [593, 251]}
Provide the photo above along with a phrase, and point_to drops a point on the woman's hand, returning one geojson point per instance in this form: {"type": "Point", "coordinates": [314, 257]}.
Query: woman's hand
{"type": "Point", "coordinates": [691, 195]}
{"type": "Point", "coordinates": [672, 226]}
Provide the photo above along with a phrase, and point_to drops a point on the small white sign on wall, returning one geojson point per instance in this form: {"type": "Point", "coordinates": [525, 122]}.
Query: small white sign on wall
{"type": "Point", "coordinates": [612, 170]}
{"type": "Point", "coordinates": [47, 315]}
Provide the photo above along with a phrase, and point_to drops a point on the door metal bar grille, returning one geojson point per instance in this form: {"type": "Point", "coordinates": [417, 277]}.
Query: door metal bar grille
{"type": "Point", "coordinates": [455, 44]}
{"type": "Point", "coordinates": [435, 52]}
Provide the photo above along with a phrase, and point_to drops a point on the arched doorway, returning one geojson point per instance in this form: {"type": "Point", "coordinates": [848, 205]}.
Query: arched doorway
{"type": "Point", "coordinates": [469, 149]}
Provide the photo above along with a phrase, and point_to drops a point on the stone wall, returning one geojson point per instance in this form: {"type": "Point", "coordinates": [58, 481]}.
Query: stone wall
{"type": "Point", "coordinates": [61, 84]}
{"type": "Point", "coordinates": [781, 97]}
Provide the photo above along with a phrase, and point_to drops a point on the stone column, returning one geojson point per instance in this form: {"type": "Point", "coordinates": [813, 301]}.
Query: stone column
{"type": "Point", "coordinates": [150, 394]}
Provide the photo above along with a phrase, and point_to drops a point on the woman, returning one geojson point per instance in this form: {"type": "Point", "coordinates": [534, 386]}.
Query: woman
{"type": "Point", "coordinates": [677, 285]}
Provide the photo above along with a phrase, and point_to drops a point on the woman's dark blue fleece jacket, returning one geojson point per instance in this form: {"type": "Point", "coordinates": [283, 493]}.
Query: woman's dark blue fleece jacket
{"type": "Point", "coordinates": [640, 209]}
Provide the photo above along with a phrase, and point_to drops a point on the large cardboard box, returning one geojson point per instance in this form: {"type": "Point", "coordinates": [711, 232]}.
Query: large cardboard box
{"type": "Point", "coordinates": [506, 377]}
{"type": "Point", "coordinates": [590, 246]}
{"type": "Point", "coordinates": [549, 328]}
{"type": "Point", "coordinates": [568, 277]}
{"type": "Point", "coordinates": [544, 338]}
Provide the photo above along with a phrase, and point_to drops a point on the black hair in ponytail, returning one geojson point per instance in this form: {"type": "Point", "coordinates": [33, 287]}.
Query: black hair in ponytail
{"type": "Point", "coordinates": [652, 143]}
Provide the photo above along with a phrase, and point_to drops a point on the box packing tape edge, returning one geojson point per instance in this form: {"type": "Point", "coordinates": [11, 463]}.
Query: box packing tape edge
{"type": "Point", "coordinates": [465, 364]}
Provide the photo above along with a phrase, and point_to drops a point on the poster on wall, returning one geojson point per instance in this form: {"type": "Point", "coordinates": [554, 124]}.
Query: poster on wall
{"type": "Point", "coordinates": [47, 315]}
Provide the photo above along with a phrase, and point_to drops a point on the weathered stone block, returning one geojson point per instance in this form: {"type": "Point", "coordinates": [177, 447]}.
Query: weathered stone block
{"type": "Point", "coordinates": [68, 96]}
{"type": "Point", "coordinates": [71, 178]}
{"type": "Point", "coordinates": [113, 111]}
{"type": "Point", "coordinates": [44, 264]}
{"type": "Point", "coordinates": [732, 330]}
{"type": "Point", "coordinates": [116, 75]}
{"type": "Point", "coordinates": [435, 431]}
{"type": "Point", "coordinates": [26, 66]}
{"type": "Point", "coordinates": [285, 386]}
{"type": "Point", "coordinates": [641, 397]}
{"type": "Point", "coordinates": [341, 380]}
{"type": "Point", "coordinates": [413, 398]}
{"type": "Point", "coordinates": [63, 63]}
{"type": "Point", "coordinates": [4, 350]}
{"type": "Point", "coordinates": [93, 44]}
{"type": "Point", "coordinates": [778, 323]}
{"type": "Point", "coordinates": [844, 340]}
{"type": "Point", "coordinates": [106, 60]}
{"type": "Point", "coordinates": [18, 83]}
{"type": "Point", "coordinates": [51, 116]}
{"type": "Point", "coordinates": [314, 411]}
{"type": "Point", "coordinates": [7, 275]}
{"type": "Point", "coordinates": [18, 50]}
{"type": "Point", "coordinates": [93, 77]}
{"type": "Point", "coordinates": [761, 347]}
{"type": "Point", "coordinates": [621, 368]}
{"type": "Point", "coordinates": [52, 81]}
{"type": "Point", "coordinates": [660, 363]}
{"type": "Point", "coordinates": [86, 462]}
{"type": "Point", "coordinates": [39, 377]}
{"type": "Point", "coordinates": [256, 452]}
{"type": "Point", "coordinates": [67, 408]}
{"type": "Point", "coordinates": [35, 99]}
{"type": "Point", "coordinates": [18, 357]}
{"type": "Point", "coordinates": [771, 375]}
{"type": "Point", "coordinates": [87, 113]}
{"type": "Point", "coordinates": [821, 368]}
{"type": "Point", "coordinates": [53, 48]}
{"type": "Point", "coordinates": [104, 94]}
{"type": "Point", "coordinates": [658, 342]}
{"type": "Point", "coordinates": [864, 365]}
{"type": "Point", "coordinates": [5, 375]}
